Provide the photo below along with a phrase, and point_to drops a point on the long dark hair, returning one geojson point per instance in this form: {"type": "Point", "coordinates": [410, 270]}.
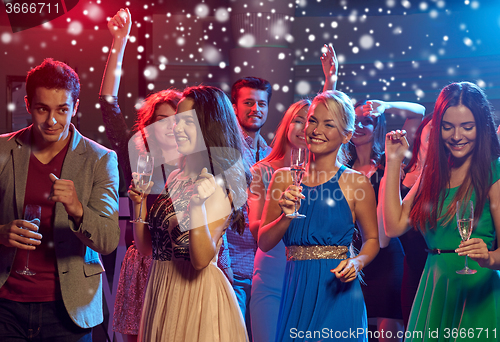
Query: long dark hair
{"type": "Point", "coordinates": [428, 203]}
{"type": "Point", "coordinates": [223, 140]}
{"type": "Point", "coordinates": [379, 131]}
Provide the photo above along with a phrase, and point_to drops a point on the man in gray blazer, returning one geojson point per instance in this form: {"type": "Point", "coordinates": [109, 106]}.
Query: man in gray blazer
{"type": "Point", "coordinates": [75, 181]}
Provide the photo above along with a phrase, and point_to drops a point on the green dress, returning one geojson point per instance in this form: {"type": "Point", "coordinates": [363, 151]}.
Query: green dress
{"type": "Point", "coordinates": [450, 306]}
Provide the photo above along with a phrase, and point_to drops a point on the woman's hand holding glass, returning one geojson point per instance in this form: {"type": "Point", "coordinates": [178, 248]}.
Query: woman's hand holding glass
{"type": "Point", "coordinates": [136, 194]}
{"type": "Point", "coordinates": [477, 250]}
{"type": "Point", "coordinates": [465, 225]}
{"type": "Point", "coordinates": [142, 180]}
{"type": "Point", "coordinates": [290, 200]}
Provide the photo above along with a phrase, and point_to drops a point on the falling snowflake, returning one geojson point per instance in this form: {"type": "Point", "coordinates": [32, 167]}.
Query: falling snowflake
{"type": "Point", "coordinates": [6, 38]}
{"type": "Point", "coordinates": [330, 202]}
{"type": "Point", "coordinates": [468, 41]}
{"type": "Point", "coordinates": [181, 41]}
{"type": "Point", "coordinates": [420, 93]}
{"type": "Point", "coordinates": [379, 65]}
{"type": "Point", "coordinates": [95, 13]}
{"type": "Point", "coordinates": [202, 10]}
{"type": "Point", "coordinates": [247, 40]}
{"type": "Point", "coordinates": [75, 28]}
{"type": "Point", "coordinates": [211, 54]}
{"type": "Point", "coordinates": [366, 41]}
{"type": "Point", "coordinates": [280, 107]}
{"type": "Point", "coordinates": [221, 15]}
{"type": "Point", "coordinates": [303, 88]}
{"type": "Point", "coordinates": [151, 73]}
{"type": "Point", "coordinates": [278, 29]}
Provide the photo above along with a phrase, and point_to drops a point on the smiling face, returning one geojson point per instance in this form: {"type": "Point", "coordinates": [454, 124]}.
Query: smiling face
{"type": "Point", "coordinates": [251, 108]}
{"type": "Point", "coordinates": [365, 126]}
{"type": "Point", "coordinates": [51, 111]}
{"type": "Point", "coordinates": [296, 135]}
{"type": "Point", "coordinates": [322, 133]}
{"type": "Point", "coordinates": [458, 131]}
{"type": "Point", "coordinates": [187, 130]}
{"type": "Point", "coordinates": [164, 121]}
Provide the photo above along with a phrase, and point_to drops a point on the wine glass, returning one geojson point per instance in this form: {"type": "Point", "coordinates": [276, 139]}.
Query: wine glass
{"type": "Point", "coordinates": [298, 161]}
{"type": "Point", "coordinates": [33, 214]}
{"type": "Point", "coordinates": [145, 165]}
{"type": "Point", "coordinates": [465, 222]}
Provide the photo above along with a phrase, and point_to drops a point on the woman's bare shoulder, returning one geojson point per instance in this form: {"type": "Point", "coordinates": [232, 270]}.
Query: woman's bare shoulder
{"type": "Point", "coordinates": [355, 178]}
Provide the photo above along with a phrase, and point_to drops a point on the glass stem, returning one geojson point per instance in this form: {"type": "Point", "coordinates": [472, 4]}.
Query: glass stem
{"type": "Point", "coordinates": [140, 210]}
{"type": "Point", "coordinates": [466, 266]}
{"type": "Point", "coordinates": [27, 258]}
{"type": "Point", "coordinates": [296, 210]}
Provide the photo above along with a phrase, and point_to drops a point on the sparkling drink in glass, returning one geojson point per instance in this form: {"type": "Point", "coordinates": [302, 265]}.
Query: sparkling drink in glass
{"type": "Point", "coordinates": [465, 223]}
{"type": "Point", "coordinates": [145, 166]}
{"type": "Point", "coordinates": [33, 214]}
{"type": "Point", "coordinates": [298, 158]}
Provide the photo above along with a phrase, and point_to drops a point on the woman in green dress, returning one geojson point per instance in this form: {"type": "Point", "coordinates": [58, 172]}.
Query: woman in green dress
{"type": "Point", "coordinates": [462, 163]}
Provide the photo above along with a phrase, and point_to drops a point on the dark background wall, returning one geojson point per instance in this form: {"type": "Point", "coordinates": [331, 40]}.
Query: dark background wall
{"type": "Point", "coordinates": [390, 50]}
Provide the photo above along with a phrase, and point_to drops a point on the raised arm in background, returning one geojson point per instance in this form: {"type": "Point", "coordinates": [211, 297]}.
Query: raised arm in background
{"type": "Point", "coordinates": [412, 112]}
{"type": "Point", "coordinates": [396, 213]}
{"type": "Point", "coordinates": [330, 65]}
{"type": "Point", "coordinates": [119, 26]}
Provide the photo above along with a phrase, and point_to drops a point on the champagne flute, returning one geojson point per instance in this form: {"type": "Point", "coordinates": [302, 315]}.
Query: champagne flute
{"type": "Point", "coordinates": [145, 165]}
{"type": "Point", "coordinates": [33, 214]}
{"type": "Point", "coordinates": [298, 163]}
{"type": "Point", "coordinates": [465, 222]}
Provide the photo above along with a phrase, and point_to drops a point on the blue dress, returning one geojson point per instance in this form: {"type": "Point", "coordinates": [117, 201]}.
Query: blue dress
{"type": "Point", "coordinates": [315, 305]}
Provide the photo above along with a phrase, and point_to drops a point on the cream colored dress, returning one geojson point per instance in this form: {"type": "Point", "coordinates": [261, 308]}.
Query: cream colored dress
{"type": "Point", "coordinates": [181, 303]}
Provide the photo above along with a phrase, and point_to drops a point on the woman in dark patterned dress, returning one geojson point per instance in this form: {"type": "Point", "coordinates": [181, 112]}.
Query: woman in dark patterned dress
{"type": "Point", "coordinates": [188, 298]}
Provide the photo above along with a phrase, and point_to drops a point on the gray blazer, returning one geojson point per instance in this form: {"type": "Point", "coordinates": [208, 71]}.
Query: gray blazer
{"type": "Point", "coordinates": [94, 171]}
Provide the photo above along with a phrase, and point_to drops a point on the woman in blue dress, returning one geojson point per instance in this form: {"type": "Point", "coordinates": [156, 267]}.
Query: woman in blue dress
{"type": "Point", "coordinates": [322, 298]}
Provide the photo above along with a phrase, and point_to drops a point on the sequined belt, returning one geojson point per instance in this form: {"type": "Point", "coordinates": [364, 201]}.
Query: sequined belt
{"type": "Point", "coordinates": [316, 252]}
